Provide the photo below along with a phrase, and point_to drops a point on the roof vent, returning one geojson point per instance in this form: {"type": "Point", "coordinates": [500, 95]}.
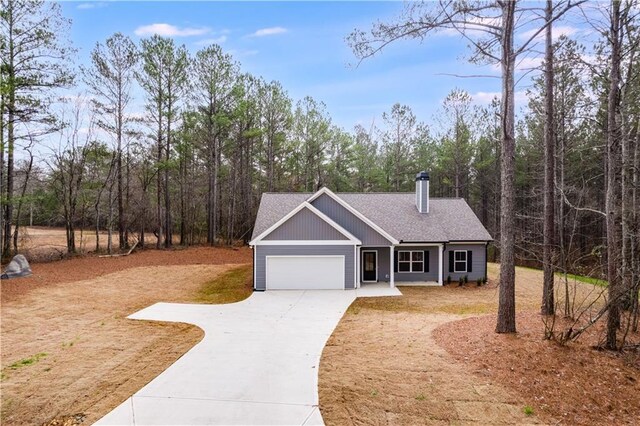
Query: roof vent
{"type": "Point", "coordinates": [422, 192]}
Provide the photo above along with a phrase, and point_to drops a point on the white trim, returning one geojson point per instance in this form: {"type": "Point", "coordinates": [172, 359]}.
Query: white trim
{"type": "Point", "coordinates": [305, 243]}
{"type": "Point", "coordinates": [405, 244]}
{"type": "Point", "coordinates": [440, 261]}
{"type": "Point", "coordinates": [462, 243]}
{"type": "Point", "coordinates": [358, 250]}
{"type": "Point", "coordinates": [466, 259]}
{"type": "Point", "coordinates": [362, 252]}
{"type": "Point", "coordinates": [307, 205]}
{"type": "Point", "coordinates": [355, 267]}
{"type": "Point", "coordinates": [359, 215]}
{"type": "Point", "coordinates": [411, 261]}
{"type": "Point", "coordinates": [266, 265]}
{"type": "Point", "coordinates": [255, 269]}
{"type": "Point", "coordinates": [392, 282]}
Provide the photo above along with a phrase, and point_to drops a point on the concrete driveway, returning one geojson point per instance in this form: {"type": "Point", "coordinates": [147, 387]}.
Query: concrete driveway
{"type": "Point", "coordinates": [257, 363]}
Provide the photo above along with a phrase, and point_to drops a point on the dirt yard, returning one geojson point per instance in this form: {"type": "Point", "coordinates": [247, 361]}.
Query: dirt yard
{"type": "Point", "coordinates": [431, 357]}
{"type": "Point", "coordinates": [40, 243]}
{"type": "Point", "coordinates": [68, 352]}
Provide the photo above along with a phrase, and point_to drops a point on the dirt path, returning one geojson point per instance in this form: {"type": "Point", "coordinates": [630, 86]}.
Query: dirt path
{"type": "Point", "coordinates": [67, 347]}
{"type": "Point", "coordinates": [392, 372]}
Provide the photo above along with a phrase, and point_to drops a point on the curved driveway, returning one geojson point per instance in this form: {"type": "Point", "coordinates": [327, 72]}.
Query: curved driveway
{"type": "Point", "coordinates": [257, 363]}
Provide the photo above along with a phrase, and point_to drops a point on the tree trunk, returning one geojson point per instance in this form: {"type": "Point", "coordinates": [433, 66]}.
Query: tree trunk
{"type": "Point", "coordinates": [507, 303]}
{"type": "Point", "coordinates": [122, 242]}
{"type": "Point", "coordinates": [183, 176]}
{"type": "Point", "coordinates": [168, 234]}
{"type": "Point", "coordinates": [613, 183]}
{"type": "Point", "coordinates": [548, 300]}
{"type": "Point", "coordinates": [20, 203]}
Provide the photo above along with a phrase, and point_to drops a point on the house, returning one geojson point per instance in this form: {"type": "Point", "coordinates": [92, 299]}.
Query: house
{"type": "Point", "coordinates": [326, 240]}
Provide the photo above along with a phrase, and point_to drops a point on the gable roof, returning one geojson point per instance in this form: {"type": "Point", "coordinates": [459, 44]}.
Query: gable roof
{"type": "Point", "coordinates": [328, 193]}
{"type": "Point", "coordinates": [449, 219]}
{"type": "Point", "coordinates": [296, 210]}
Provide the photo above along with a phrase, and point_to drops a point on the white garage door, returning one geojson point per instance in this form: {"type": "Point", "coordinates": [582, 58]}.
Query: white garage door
{"type": "Point", "coordinates": [305, 272]}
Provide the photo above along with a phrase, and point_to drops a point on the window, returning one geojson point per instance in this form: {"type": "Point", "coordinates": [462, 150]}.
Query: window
{"type": "Point", "coordinates": [460, 261]}
{"type": "Point", "coordinates": [410, 261]}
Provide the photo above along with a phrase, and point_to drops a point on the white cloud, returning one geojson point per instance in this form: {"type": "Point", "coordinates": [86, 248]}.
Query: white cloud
{"type": "Point", "coordinates": [92, 5]}
{"type": "Point", "coordinates": [475, 27]}
{"type": "Point", "coordinates": [485, 98]}
{"type": "Point", "coordinates": [208, 41]}
{"type": "Point", "coordinates": [269, 31]}
{"type": "Point", "coordinates": [522, 64]}
{"type": "Point", "coordinates": [169, 30]}
{"type": "Point", "coordinates": [136, 115]}
{"type": "Point", "coordinates": [557, 31]}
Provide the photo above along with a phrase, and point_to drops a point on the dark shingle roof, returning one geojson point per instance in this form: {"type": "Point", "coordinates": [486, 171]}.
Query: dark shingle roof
{"type": "Point", "coordinates": [449, 219]}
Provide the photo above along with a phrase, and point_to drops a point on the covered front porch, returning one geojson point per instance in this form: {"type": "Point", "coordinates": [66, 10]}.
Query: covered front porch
{"type": "Point", "coordinates": [410, 265]}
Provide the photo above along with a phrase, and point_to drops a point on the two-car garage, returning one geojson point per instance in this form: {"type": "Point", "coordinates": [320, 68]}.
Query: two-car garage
{"type": "Point", "coordinates": [311, 272]}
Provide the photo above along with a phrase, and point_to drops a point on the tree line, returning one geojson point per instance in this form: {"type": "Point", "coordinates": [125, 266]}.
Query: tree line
{"type": "Point", "coordinates": [569, 167]}
{"type": "Point", "coordinates": [555, 184]}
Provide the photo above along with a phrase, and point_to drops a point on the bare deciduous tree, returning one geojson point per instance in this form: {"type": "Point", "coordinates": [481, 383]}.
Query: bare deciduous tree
{"type": "Point", "coordinates": [489, 27]}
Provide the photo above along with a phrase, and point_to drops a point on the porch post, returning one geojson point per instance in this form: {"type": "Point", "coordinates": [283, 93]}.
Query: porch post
{"type": "Point", "coordinates": [358, 266]}
{"type": "Point", "coordinates": [391, 268]}
{"type": "Point", "coordinates": [440, 255]}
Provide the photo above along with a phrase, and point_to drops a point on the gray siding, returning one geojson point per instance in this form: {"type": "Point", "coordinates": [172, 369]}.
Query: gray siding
{"type": "Point", "coordinates": [422, 195]}
{"type": "Point", "coordinates": [478, 262]}
{"type": "Point", "coordinates": [305, 225]}
{"type": "Point", "coordinates": [260, 252]}
{"type": "Point", "coordinates": [349, 221]}
{"type": "Point", "coordinates": [432, 275]}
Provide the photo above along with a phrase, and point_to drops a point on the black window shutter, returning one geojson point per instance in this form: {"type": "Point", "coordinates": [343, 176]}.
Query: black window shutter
{"type": "Point", "coordinates": [451, 261]}
{"type": "Point", "coordinates": [426, 261]}
{"type": "Point", "coordinates": [395, 261]}
{"type": "Point", "coordinates": [469, 260]}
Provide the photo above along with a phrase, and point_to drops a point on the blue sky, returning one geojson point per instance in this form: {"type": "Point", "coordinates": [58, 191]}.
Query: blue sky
{"type": "Point", "coordinates": [302, 45]}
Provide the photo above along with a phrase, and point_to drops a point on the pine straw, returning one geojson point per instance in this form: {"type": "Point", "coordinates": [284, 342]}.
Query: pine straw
{"type": "Point", "coordinates": [432, 357]}
{"type": "Point", "coordinates": [90, 266]}
{"type": "Point", "coordinates": [573, 384]}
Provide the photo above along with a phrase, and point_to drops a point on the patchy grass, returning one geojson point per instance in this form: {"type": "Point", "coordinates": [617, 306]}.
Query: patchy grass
{"type": "Point", "coordinates": [232, 286]}
{"type": "Point", "coordinates": [560, 275]}
{"type": "Point", "coordinates": [584, 279]}
{"type": "Point", "coordinates": [27, 361]}
{"type": "Point", "coordinates": [389, 304]}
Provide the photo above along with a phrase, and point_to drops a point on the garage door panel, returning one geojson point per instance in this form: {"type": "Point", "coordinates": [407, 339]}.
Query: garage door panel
{"type": "Point", "coordinates": [305, 272]}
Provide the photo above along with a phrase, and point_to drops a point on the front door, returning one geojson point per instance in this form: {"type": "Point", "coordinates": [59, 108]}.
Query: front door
{"type": "Point", "coordinates": [369, 266]}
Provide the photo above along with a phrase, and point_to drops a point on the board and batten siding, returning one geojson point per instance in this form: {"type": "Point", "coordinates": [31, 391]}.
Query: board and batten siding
{"type": "Point", "coordinates": [305, 225]}
{"type": "Point", "coordinates": [261, 251]}
{"type": "Point", "coordinates": [349, 221]}
{"type": "Point", "coordinates": [478, 262]}
{"type": "Point", "coordinates": [432, 275]}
